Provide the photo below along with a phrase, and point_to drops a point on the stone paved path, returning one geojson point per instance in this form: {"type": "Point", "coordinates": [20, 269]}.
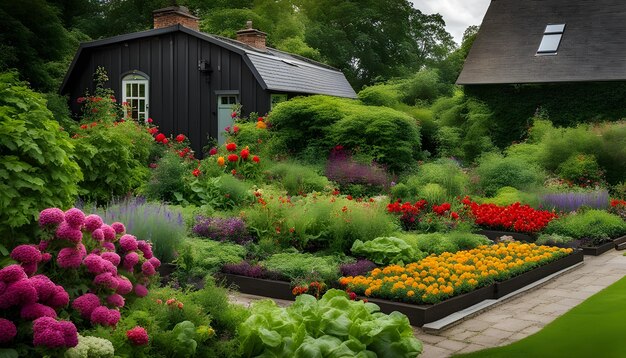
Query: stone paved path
{"type": "Point", "coordinates": [520, 316]}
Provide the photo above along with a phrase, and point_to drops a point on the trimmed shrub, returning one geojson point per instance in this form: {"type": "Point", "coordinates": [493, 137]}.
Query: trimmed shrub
{"type": "Point", "coordinates": [37, 167]}
{"type": "Point", "coordinates": [508, 195]}
{"type": "Point", "coordinates": [496, 171]}
{"type": "Point", "coordinates": [296, 178]}
{"type": "Point", "coordinates": [598, 226]}
{"type": "Point", "coordinates": [113, 158]}
{"type": "Point", "coordinates": [380, 95]}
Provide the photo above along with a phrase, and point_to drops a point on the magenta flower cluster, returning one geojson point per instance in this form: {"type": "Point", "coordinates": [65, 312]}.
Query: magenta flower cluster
{"type": "Point", "coordinates": [116, 263]}
{"type": "Point", "coordinates": [34, 298]}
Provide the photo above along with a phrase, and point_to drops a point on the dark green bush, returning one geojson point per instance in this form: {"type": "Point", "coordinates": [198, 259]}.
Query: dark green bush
{"type": "Point", "coordinates": [37, 169]}
{"type": "Point", "coordinates": [596, 225]}
{"type": "Point", "coordinates": [612, 158]}
{"type": "Point", "coordinates": [425, 86]}
{"type": "Point", "coordinates": [297, 179]}
{"type": "Point", "coordinates": [113, 158]}
{"type": "Point", "coordinates": [559, 144]}
{"type": "Point", "coordinates": [380, 95]}
{"type": "Point", "coordinates": [581, 169]}
{"type": "Point", "coordinates": [438, 243]}
{"type": "Point", "coordinates": [444, 172]}
{"type": "Point", "coordinates": [167, 181]}
{"type": "Point", "coordinates": [495, 171]}
{"type": "Point", "coordinates": [390, 137]}
{"type": "Point", "coordinates": [313, 125]}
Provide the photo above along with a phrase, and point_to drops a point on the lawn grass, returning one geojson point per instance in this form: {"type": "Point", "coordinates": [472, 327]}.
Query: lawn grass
{"type": "Point", "coordinates": [595, 328]}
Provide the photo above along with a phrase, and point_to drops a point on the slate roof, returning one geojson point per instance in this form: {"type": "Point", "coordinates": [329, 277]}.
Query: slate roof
{"type": "Point", "coordinates": [275, 70]}
{"type": "Point", "coordinates": [592, 48]}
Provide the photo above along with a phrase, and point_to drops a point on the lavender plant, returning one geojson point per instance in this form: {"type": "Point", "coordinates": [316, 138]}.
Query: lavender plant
{"type": "Point", "coordinates": [347, 172]}
{"type": "Point", "coordinates": [222, 229]}
{"type": "Point", "coordinates": [157, 223]}
{"type": "Point", "coordinates": [360, 267]}
{"type": "Point", "coordinates": [572, 201]}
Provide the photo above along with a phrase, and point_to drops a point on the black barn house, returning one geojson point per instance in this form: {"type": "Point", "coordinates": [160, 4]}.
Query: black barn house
{"type": "Point", "coordinates": [565, 59]}
{"type": "Point", "coordinates": [188, 81]}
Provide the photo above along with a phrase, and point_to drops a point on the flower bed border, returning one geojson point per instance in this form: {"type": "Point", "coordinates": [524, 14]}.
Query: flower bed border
{"type": "Point", "coordinates": [418, 314]}
{"type": "Point", "coordinates": [619, 242]}
{"type": "Point", "coordinates": [598, 250]}
{"type": "Point", "coordinates": [494, 235]}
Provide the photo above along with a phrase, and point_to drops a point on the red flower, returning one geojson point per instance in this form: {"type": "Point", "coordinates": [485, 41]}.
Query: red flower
{"type": "Point", "coordinates": [245, 154]}
{"type": "Point", "coordinates": [137, 336]}
{"type": "Point", "coordinates": [349, 197]}
{"type": "Point", "coordinates": [93, 124]}
{"type": "Point", "coordinates": [165, 141]}
{"type": "Point", "coordinates": [233, 115]}
{"type": "Point", "coordinates": [256, 159]}
{"type": "Point", "coordinates": [235, 129]}
{"type": "Point", "coordinates": [160, 137]}
{"type": "Point", "coordinates": [231, 147]}
{"type": "Point", "coordinates": [454, 215]}
{"type": "Point", "coordinates": [80, 100]}
{"type": "Point", "coordinates": [260, 119]}
{"type": "Point", "coordinates": [233, 157]}
{"type": "Point", "coordinates": [153, 130]}
{"type": "Point", "coordinates": [150, 120]}
{"type": "Point", "coordinates": [352, 295]}
{"type": "Point", "coordinates": [196, 172]}
{"type": "Point", "coordinates": [83, 126]}
{"type": "Point", "coordinates": [233, 172]}
{"type": "Point", "coordinates": [180, 138]}
{"type": "Point", "coordinates": [213, 151]}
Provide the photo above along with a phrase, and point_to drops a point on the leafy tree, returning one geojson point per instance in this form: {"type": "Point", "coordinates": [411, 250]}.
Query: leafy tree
{"type": "Point", "coordinates": [33, 40]}
{"type": "Point", "coordinates": [450, 69]}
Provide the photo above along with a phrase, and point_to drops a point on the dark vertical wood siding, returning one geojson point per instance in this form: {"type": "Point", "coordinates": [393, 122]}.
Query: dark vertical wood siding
{"type": "Point", "coordinates": [182, 98]}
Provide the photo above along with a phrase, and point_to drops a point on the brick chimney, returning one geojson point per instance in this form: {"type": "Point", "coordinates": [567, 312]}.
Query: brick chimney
{"type": "Point", "coordinates": [173, 15]}
{"type": "Point", "coordinates": [252, 37]}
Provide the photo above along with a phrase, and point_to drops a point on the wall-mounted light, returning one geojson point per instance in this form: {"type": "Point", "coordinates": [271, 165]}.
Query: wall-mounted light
{"type": "Point", "coordinates": [204, 66]}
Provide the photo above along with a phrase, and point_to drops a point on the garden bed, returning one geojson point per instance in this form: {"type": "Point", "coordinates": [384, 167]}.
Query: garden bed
{"type": "Point", "coordinates": [598, 250]}
{"type": "Point", "coordinates": [494, 235]}
{"type": "Point", "coordinates": [620, 243]}
{"type": "Point", "coordinates": [418, 314]}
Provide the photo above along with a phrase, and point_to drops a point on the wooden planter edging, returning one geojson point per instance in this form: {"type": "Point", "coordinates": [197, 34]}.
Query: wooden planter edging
{"type": "Point", "coordinates": [260, 287]}
{"type": "Point", "coordinates": [620, 243]}
{"type": "Point", "coordinates": [515, 283]}
{"type": "Point", "coordinates": [418, 314]}
{"type": "Point", "coordinates": [598, 250]}
{"type": "Point", "coordinates": [495, 235]}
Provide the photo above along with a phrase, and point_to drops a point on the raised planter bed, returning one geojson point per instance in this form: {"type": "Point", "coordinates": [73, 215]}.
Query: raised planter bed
{"type": "Point", "coordinates": [620, 243]}
{"type": "Point", "coordinates": [261, 287]}
{"type": "Point", "coordinates": [494, 235]}
{"type": "Point", "coordinates": [418, 314]}
{"type": "Point", "coordinates": [515, 283]}
{"type": "Point", "coordinates": [598, 250]}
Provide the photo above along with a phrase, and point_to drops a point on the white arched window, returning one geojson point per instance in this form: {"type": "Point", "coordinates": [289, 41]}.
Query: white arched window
{"type": "Point", "coordinates": [135, 92]}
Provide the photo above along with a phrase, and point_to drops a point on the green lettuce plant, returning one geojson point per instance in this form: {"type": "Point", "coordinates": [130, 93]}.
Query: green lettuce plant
{"type": "Point", "coordinates": [386, 250]}
{"type": "Point", "coordinates": [334, 326]}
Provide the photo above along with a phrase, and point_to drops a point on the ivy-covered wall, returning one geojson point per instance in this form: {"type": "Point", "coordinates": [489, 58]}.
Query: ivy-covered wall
{"type": "Point", "coordinates": [564, 104]}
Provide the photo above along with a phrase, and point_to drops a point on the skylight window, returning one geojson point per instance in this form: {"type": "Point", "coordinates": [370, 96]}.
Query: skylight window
{"type": "Point", "coordinates": [551, 39]}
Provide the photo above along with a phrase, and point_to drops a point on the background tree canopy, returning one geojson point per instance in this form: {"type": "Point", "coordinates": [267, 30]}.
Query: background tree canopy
{"type": "Point", "coordinates": [371, 41]}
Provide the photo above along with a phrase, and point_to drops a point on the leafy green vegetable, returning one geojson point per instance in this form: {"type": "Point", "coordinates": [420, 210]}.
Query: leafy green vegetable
{"type": "Point", "coordinates": [386, 250]}
{"type": "Point", "coordinates": [184, 343]}
{"type": "Point", "coordinates": [334, 326]}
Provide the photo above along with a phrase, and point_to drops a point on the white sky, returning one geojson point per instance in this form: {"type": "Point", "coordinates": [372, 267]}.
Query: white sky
{"type": "Point", "coordinates": [458, 14]}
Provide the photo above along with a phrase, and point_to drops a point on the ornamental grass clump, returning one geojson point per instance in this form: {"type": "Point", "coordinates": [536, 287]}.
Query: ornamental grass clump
{"type": "Point", "coordinates": [82, 269]}
{"type": "Point", "coordinates": [222, 229]}
{"type": "Point", "coordinates": [439, 277]}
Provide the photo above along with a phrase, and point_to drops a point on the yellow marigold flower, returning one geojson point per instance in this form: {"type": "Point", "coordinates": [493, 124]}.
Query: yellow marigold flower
{"type": "Point", "coordinates": [410, 294]}
{"type": "Point", "coordinates": [220, 161]}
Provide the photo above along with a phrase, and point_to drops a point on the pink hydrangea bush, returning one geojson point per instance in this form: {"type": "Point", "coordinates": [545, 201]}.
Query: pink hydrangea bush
{"type": "Point", "coordinates": [102, 265]}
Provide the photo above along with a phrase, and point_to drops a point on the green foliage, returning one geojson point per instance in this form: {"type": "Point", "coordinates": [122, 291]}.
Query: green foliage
{"type": "Point", "coordinates": [57, 104]}
{"type": "Point", "coordinates": [252, 137]}
{"type": "Point", "coordinates": [423, 87]}
{"type": "Point", "coordinates": [556, 145]}
{"type": "Point", "coordinates": [318, 223]}
{"type": "Point", "coordinates": [595, 225]}
{"type": "Point", "coordinates": [447, 176]}
{"type": "Point", "coordinates": [168, 180]}
{"type": "Point", "coordinates": [514, 105]}
{"type": "Point", "coordinates": [316, 124]}
{"type": "Point", "coordinates": [495, 171]}
{"type": "Point", "coordinates": [37, 167]}
{"type": "Point", "coordinates": [391, 137]}
{"type": "Point", "coordinates": [553, 239]}
{"type": "Point", "coordinates": [438, 243]}
{"type": "Point", "coordinates": [334, 326]}
{"type": "Point", "coordinates": [34, 41]}
{"type": "Point", "coordinates": [296, 178]}
{"type": "Point", "coordinates": [113, 158]}
{"type": "Point", "coordinates": [386, 251]}
{"type": "Point", "coordinates": [299, 266]}
{"type": "Point", "coordinates": [508, 195]}
{"type": "Point", "coordinates": [380, 95]}
{"type": "Point", "coordinates": [199, 257]}
{"type": "Point", "coordinates": [580, 169]}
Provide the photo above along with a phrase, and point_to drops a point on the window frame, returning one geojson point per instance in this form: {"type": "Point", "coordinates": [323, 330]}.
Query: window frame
{"type": "Point", "coordinates": [549, 34]}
